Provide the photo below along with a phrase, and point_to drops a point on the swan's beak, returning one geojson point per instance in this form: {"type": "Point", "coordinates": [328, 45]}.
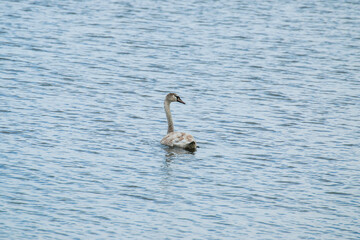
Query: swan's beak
{"type": "Point", "coordinates": [180, 101]}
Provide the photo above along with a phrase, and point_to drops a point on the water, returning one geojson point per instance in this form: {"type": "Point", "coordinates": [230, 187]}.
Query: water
{"type": "Point", "coordinates": [273, 98]}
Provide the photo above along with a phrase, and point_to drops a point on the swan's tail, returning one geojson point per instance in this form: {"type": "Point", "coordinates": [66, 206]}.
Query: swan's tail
{"type": "Point", "coordinates": [191, 146]}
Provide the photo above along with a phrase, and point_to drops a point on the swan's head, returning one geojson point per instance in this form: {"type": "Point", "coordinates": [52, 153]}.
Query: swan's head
{"type": "Point", "coordinates": [173, 97]}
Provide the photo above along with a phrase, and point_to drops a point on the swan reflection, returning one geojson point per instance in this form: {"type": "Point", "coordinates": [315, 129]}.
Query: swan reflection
{"type": "Point", "coordinates": [174, 152]}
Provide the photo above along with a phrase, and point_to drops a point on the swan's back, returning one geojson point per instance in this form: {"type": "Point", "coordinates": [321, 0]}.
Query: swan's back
{"type": "Point", "coordinates": [179, 139]}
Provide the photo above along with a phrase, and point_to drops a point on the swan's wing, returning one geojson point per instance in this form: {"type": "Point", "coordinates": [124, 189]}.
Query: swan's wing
{"type": "Point", "coordinates": [183, 140]}
{"type": "Point", "coordinates": [177, 139]}
{"type": "Point", "coordinates": [171, 138]}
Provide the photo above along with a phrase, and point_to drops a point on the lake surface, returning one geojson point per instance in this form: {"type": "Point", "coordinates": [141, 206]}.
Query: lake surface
{"type": "Point", "coordinates": [272, 92]}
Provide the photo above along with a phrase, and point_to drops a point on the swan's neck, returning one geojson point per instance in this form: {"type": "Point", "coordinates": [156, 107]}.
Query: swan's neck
{"type": "Point", "coordinates": [169, 117]}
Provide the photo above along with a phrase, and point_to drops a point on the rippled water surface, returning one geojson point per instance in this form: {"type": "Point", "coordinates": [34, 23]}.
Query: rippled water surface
{"type": "Point", "coordinates": [273, 98]}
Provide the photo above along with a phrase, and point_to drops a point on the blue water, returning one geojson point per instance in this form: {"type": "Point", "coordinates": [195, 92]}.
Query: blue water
{"type": "Point", "coordinates": [273, 99]}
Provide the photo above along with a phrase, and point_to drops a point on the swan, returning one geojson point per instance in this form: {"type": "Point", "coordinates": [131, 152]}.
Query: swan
{"type": "Point", "coordinates": [176, 139]}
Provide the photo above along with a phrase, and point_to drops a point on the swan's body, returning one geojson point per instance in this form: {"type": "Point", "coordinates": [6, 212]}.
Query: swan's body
{"type": "Point", "coordinates": [179, 139]}
{"type": "Point", "coordinates": [176, 139]}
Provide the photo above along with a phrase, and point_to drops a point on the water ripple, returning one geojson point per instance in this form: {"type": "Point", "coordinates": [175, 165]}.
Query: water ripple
{"type": "Point", "coordinates": [272, 93]}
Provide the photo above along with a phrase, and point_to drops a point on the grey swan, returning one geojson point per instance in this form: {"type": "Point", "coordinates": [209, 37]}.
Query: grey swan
{"type": "Point", "coordinates": [176, 139]}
